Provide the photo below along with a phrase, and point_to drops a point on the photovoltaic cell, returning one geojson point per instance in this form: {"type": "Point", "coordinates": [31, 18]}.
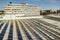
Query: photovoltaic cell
{"type": "Point", "coordinates": [10, 36]}
{"type": "Point", "coordinates": [37, 36]}
{"type": "Point", "coordinates": [1, 25]}
{"type": "Point", "coordinates": [29, 37]}
{"type": "Point", "coordinates": [18, 32]}
{"type": "Point", "coordinates": [3, 32]}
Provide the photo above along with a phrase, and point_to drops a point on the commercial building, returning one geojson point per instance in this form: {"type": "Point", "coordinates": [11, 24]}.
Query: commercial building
{"type": "Point", "coordinates": [22, 9]}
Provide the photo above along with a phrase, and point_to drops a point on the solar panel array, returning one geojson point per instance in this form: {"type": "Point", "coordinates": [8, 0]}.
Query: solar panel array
{"type": "Point", "coordinates": [28, 29]}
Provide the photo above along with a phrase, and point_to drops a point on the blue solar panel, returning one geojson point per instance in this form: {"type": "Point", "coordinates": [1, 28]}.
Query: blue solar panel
{"type": "Point", "coordinates": [3, 31]}
{"type": "Point", "coordinates": [29, 37]}
{"type": "Point", "coordinates": [18, 32]}
{"type": "Point", "coordinates": [10, 36]}
{"type": "Point", "coordinates": [1, 25]}
{"type": "Point", "coordinates": [37, 36]}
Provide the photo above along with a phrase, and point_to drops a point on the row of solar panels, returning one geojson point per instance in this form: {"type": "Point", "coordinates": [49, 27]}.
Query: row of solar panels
{"type": "Point", "coordinates": [28, 29]}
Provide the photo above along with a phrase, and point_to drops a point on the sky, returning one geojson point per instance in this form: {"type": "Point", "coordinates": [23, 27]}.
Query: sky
{"type": "Point", "coordinates": [43, 4]}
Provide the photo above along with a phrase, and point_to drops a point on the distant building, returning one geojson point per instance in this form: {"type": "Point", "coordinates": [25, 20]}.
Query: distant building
{"type": "Point", "coordinates": [21, 8]}
{"type": "Point", "coordinates": [1, 12]}
{"type": "Point", "coordinates": [45, 12]}
{"type": "Point", "coordinates": [53, 10]}
{"type": "Point", "coordinates": [50, 11]}
{"type": "Point", "coordinates": [58, 11]}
